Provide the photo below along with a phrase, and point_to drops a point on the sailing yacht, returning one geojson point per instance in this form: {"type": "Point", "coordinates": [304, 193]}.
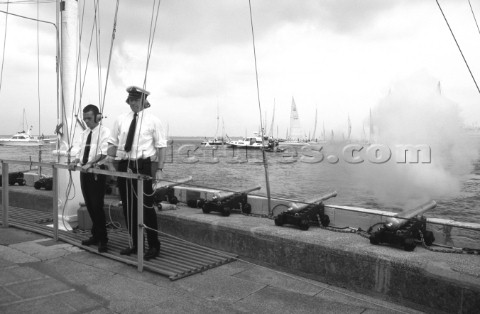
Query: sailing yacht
{"type": "Point", "coordinates": [296, 135]}
{"type": "Point", "coordinates": [215, 140]}
{"type": "Point", "coordinates": [23, 138]}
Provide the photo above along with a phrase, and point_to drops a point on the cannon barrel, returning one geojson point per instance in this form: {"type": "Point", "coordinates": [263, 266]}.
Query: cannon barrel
{"type": "Point", "coordinates": [397, 222]}
{"type": "Point", "coordinates": [313, 200]}
{"type": "Point", "coordinates": [160, 184]}
{"type": "Point", "coordinates": [219, 196]}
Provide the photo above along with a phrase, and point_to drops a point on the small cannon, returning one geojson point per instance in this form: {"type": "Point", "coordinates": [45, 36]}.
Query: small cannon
{"type": "Point", "coordinates": [164, 191]}
{"type": "Point", "coordinates": [224, 202]}
{"type": "Point", "coordinates": [44, 183]}
{"type": "Point", "coordinates": [403, 231]}
{"type": "Point", "coordinates": [310, 213]}
{"type": "Point", "coordinates": [14, 178]}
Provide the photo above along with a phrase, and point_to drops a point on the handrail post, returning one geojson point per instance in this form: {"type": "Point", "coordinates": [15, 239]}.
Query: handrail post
{"type": "Point", "coordinates": [5, 200]}
{"type": "Point", "coordinates": [55, 202]}
{"type": "Point", "coordinates": [140, 223]}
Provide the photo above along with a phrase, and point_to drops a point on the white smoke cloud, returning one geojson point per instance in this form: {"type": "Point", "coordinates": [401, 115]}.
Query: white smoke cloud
{"type": "Point", "coordinates": [415, 112]}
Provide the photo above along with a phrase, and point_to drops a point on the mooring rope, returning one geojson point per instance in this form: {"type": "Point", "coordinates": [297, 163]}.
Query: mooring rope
{"type": "Point", "coordinates": [474, 18]}
{"type": "Point", "coordinates": [265, 163]}
{"type": "Point", "coordinates": [459, 49]}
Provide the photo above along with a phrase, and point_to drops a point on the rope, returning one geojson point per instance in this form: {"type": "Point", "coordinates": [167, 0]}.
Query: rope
{"type": "Point", "coordinates": [459, 49]}
{"type": "Point", "coordinates": [265, 163]}
{"type": "Point", "coordinates": [38, 70]}
{"type": "Point", "coordinates": [114, 30]}
{"type": "Point", "coordinates": [4, 46]}
{"type": "Point", "coordinates": [473, 14]}
{"type": "Point", "coordinates": [98, 49]}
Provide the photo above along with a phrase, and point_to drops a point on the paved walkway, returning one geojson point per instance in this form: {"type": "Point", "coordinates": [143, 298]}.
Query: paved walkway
{"type": "Point", "coordinates": [39, 275]}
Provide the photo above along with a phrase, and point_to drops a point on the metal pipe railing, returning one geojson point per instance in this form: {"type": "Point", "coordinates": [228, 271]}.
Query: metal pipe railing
{"type": "Point", "coordinates": [55, 167]}
{"type": "Point", "coordinates": [5, 199]}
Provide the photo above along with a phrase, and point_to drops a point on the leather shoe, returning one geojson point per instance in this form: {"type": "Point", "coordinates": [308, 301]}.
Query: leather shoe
{"type": "Point", "coordinates": [102, 247]}
{"type": "Point", "coordinates": [89, 241]}
{"type": "Point", "coordinates": [128, 251]}
{"type": "Point", "coordinates": [151, 253]}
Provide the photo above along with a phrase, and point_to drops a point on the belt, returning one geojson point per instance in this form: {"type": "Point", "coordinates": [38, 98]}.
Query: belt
{"type": "Point", "coordinates": [138, 159]}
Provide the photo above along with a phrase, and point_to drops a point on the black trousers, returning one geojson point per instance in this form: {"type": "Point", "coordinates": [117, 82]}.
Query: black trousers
{"type": "Point", "coordinates": [128, 193]}
{"type": "Point", "coordinates": [93, 190]}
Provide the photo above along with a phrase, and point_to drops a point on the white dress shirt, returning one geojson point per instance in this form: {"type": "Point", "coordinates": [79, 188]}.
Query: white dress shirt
{"type": "Point", "coordinates": [149, 135]}
{"type": "Point", "coordinates": [98, 144]}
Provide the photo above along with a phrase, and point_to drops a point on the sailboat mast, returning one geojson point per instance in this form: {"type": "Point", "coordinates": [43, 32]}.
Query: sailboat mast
{"type": "Point", "coordinates": [273, 120]}
{"type": "Point", "coordinates": [218, 121]}
{"type": "Point", "coordinates": [315, 125]}
{"type": "Point", "coordinates": [324, 135]}
{"type": "Point", "coordinates": [371, 127]}
{"type": "Point", "coordinates": [67, 12]}
{"type": "Point", "coordinates": [349, 128]}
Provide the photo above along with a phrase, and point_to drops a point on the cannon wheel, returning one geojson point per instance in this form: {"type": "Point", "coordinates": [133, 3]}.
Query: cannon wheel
{"type": "Point", "coordinates": [373, 239]}
{"type": "Point", "coordinates": [205, 210]}
{"type": "Point", "coordinates": [304, 225]}
{"type": "Point", "coordinates": [279, 220]}
{"type": "Point", "coordinates": [409, 244]}
{"type": "Point", "coordinates": [226, 212]}
{"type": "Point", "coordinates": [48, 186]}
{"type": "Point", "coordinates": [429, 238]}
{"type": "Point", "coordinates": [173, 200]}
{"type": "Point", "coordinates": [247, 208]}
{"type": "Point", "coordinates": [325, 220]}
{"type": "Point", "coordinates": [37, 185]}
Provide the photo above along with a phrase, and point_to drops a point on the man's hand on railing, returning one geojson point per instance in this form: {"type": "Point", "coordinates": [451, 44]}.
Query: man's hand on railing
{"type": "Point", "coordinates": [71, 166]}
{"type": "Point", "coordinates": [85, 167]}
{"type": "Point", "coordinates": [109, 162]}
{"type": "Point", "coordinates": [158, 175]}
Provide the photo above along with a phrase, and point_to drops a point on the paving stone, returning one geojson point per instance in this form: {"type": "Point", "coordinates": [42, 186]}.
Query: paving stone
{"type": "Point", "coordinates": [370, 304]}
{"type": "Point", "coordinates": [6, 296]}
{"type": "Point", "coordinates": [42, 305]}
{"type": "Point", "coordinates": [75, 272]}
{"type": "Point", "coordinates": [281, 280]}
{"type": "Point", "coordinates": [15, 256]}
{"type": "Point", "coordinates": [5, 264]}
{"type": "Point", "coordinates": [192, 305]}
{"type": "Point", "coordinates": [37, 288]}
{"type": "Point", "coordinates": [11, 236]}
{"type": "Point", "coordinates": [127, 295]}
{"type": "Point", "coordinates": [19, 274]}
{"type": "Point", "coordinates": [33, 248]}
{"type": "Point", "coordinates": [275, 300]}
{"type": "Point", "coordinates": [231, 269]}
{"type": "Point", "coordinates": [216, 287]}
{"type": "Point", "coordinates": [79, 301]}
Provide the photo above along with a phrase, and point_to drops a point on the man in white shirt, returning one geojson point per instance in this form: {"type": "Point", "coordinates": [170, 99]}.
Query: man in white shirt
{"type": "Point", "coordinates": [93, 148]}
{"type": "Point", "coordinates": [139, 144]}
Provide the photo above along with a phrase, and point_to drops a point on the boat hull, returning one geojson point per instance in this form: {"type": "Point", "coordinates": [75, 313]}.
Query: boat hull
{"type": "Point", "coordinates": [22, 143]}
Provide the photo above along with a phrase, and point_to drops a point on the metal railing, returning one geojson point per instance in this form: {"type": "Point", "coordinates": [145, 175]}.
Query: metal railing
{"type": "Point", "coordinates": [55, 167]}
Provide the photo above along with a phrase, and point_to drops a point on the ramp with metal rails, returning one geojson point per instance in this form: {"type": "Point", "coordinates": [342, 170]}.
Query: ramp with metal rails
{"type": "Point", "coordinates": [178, 258]}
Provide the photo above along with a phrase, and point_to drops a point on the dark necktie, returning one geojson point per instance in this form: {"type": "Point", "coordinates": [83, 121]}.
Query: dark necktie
{"type": "Point", "coordinates": [131, 134]}
{"type": "Point", "coordinates": [86, 152]}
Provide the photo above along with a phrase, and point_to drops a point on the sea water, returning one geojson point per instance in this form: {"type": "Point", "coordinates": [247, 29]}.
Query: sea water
{"type": "Point", "coordinates": [299, 174]}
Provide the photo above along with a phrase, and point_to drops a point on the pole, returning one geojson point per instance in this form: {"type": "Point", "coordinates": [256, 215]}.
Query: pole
{"type": "Point", "coordinates": [139, 225]}
{"type": "Point", "coordinates": [66, 95]}
{"type": "Point", "coordinates": [55, 204]}
{"type": "Point", "coordinates": [5, 199]}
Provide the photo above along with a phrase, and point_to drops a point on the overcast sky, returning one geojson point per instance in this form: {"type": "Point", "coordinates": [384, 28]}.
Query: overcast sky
{"type": "Point", "coordinates": [341, 57]}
